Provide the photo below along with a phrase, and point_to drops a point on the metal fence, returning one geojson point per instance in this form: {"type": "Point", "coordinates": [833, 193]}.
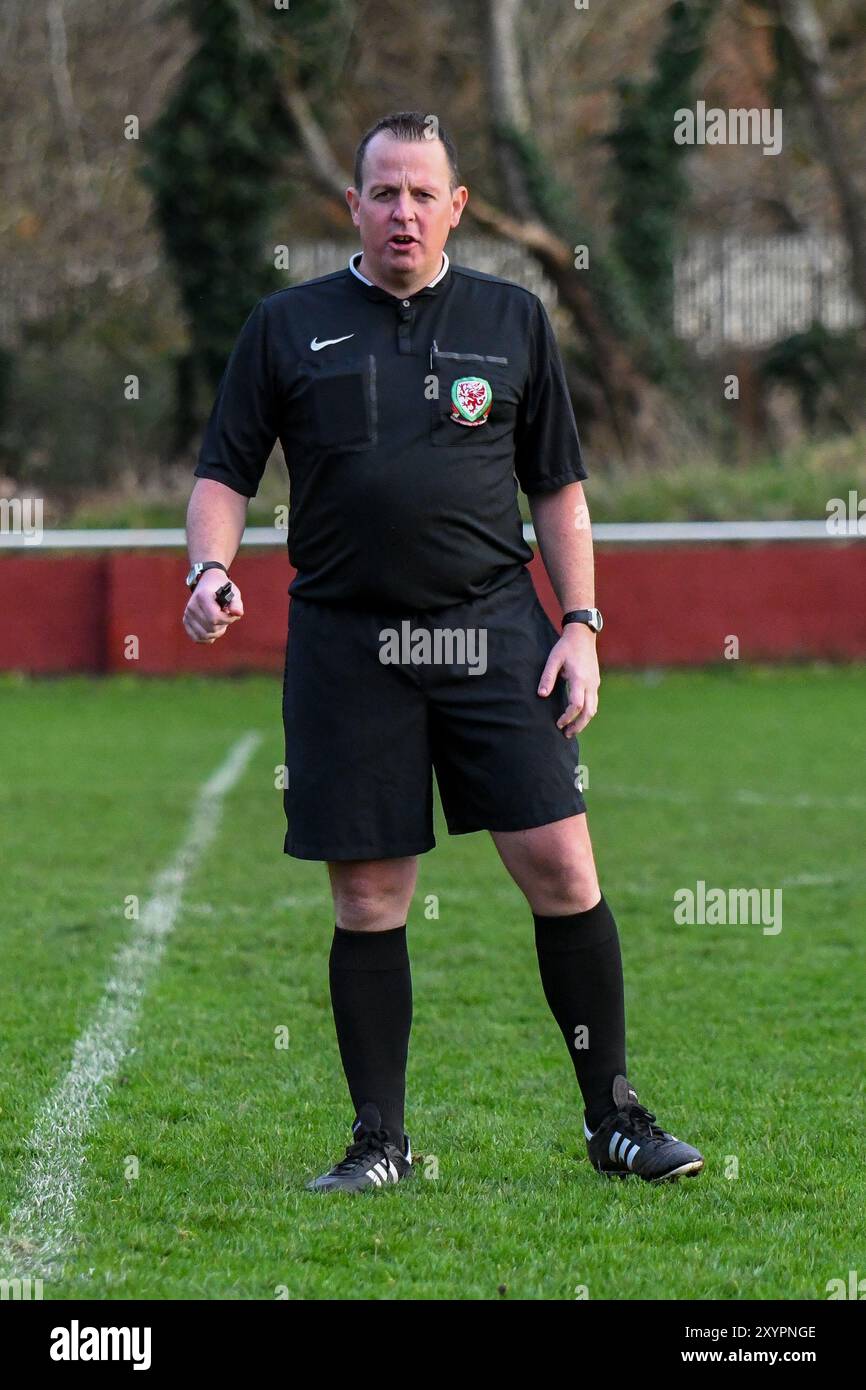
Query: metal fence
{"type": "Point", "coordinates": [729, 289]}
{"type": "Point", "coordinates": [749, 291]}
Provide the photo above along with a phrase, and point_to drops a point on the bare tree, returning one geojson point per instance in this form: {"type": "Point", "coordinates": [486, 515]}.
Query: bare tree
{"type": "Point", "coordinates": [802, 27]}
{"type": "Point", "coordinates": [632, 405]}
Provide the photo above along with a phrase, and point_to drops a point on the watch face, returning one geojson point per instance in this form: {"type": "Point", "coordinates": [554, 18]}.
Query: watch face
{"type": "Point", "coordinates": [193, 575]}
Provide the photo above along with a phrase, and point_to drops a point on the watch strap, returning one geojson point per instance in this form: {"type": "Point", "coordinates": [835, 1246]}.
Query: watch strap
{"type": "Point", "coordinates": [207, 565]}
{"type": "Point", "coordinates": [589, 616]}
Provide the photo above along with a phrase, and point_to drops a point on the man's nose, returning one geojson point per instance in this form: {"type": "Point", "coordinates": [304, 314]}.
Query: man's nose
{"type": "Point", "coordinates": [403, 210]}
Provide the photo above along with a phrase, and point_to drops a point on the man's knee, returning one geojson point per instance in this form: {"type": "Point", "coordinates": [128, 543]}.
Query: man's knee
{"type": "Point", "coordinates": [564, 884]}
{"type": "Point", "coordinates": [372, 895]}
{"type": "Point", "coordinates": [559, 875]}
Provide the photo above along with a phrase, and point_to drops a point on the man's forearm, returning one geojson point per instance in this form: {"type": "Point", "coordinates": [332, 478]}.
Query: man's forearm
{"type": "Point", "coordinates": [562, 528]}
{"type": "Point", "coordinates": [215, 521]}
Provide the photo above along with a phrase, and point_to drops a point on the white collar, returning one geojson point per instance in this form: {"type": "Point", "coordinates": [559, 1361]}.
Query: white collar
{"type": "Point", "coordinates": [358, 254]}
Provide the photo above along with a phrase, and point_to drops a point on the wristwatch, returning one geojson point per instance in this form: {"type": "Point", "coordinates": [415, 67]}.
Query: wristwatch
{"type": "Point", "coordinates": [591, 616]}
{"type": "Point", "coordinates": [199, 568]}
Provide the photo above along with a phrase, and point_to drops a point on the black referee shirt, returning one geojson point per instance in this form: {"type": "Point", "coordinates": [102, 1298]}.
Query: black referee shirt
{"type": "Point", "coordinates": [397, 500]}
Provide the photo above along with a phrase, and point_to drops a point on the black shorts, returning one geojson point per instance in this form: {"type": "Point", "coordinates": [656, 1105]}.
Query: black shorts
{"type": "Point", "coordinates": [456, 692]}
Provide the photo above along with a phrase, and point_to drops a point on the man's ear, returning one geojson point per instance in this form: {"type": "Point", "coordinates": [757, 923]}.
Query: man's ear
{"type": "Point", "coordinates": [353, 198]}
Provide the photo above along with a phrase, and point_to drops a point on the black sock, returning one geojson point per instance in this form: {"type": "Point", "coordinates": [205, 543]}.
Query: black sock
{"type": "Point", "coordinates": [371, 995]}
{"type": "Point", "coordinates": [581, 973]}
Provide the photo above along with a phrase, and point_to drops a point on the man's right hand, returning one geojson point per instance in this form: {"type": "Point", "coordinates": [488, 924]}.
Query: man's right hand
{"type": "Point", "coordinates": [203, 619]}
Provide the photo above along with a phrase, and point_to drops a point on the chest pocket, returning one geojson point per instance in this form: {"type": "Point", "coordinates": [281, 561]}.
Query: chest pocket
{"type": "Point", "coordinates": [342, 403]}
{"type": "Point", "coordinates": [477, 400]}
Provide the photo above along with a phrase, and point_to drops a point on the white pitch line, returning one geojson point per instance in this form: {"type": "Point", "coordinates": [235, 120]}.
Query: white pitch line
{"type": "Point", "coordinates": [40, 1227]}
{"type": "Point", "coordinates": [740, 796]}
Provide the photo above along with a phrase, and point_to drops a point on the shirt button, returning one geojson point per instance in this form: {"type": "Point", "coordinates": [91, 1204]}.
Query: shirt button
{"type": "Point", "coordinates": [405, 303]}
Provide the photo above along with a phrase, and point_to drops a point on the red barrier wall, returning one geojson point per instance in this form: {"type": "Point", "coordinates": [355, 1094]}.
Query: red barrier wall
{"type": "Point", "coordinates": [675, 605]}
{"type": "Point", "coordinates": [671, 605]}
{"type": "Point", "coordinates": [53, 612]}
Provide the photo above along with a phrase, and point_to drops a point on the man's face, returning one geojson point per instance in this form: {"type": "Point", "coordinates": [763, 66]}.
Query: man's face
{"type": "Point", "coordinates": [405, 210]}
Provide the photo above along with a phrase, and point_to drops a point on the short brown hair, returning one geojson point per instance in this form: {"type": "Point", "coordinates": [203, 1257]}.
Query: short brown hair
{"type": "Point", "coordinates": [409, 125]}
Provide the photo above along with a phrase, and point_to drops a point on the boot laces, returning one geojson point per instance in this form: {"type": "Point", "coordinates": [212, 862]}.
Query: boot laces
{"type": "Point", "coordinates": [359, 1153]}
{"type": "Point", "coordinates": [642, 1120]}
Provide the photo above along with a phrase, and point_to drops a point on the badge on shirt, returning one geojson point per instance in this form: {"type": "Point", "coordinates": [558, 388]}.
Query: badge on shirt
{"type": "Point", "coordinates": [471, 399]}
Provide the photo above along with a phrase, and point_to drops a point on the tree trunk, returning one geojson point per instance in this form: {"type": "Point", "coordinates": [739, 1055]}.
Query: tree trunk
{"type": "Point", "coordinates": [802, 25]}
{"type": "Point", "coordinates": [632, 404]}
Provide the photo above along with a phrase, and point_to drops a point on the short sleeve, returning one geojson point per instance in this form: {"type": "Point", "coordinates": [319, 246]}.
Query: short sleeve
{"type": "Point", "coordinates": [547, 453]}
{"type": "Point", "coordinates": [242, 428]}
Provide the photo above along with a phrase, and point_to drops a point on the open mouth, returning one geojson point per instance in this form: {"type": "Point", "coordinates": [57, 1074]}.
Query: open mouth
{"type": "Point", "coordinates": [402, 240]}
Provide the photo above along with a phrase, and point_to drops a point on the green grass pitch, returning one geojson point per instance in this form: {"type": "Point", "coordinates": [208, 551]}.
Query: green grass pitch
{"type": "Point", "coordinates": [746, 1044]}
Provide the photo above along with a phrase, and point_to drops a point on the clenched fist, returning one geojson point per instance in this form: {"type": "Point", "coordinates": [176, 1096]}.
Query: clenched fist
{"type": "Point", "coordinates": [203, 619]}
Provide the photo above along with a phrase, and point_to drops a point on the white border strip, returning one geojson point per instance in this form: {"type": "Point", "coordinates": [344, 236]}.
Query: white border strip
{"type": "Point", "coordinates": [619, 533]}
{"type": "Point", "coordinates": [42, 1224]}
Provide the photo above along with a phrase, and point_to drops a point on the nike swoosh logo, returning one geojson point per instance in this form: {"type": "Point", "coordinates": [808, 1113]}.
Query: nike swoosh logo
{"type": "Point", "coordinates": [328, 342]}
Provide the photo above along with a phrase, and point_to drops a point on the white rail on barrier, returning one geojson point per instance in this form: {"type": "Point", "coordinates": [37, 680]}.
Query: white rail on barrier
{"type": "Point", "coordinates": [605, 533]}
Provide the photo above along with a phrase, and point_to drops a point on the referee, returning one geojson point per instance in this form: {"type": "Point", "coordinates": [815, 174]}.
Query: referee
{"type": "Point", "coordinates": [411, 396]}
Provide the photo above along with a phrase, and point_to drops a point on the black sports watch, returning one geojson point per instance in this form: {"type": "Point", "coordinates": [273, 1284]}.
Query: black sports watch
{"type": "Point", "coordinates": [199, 568]}
{"type": "Point", "coordinates": [591, 616]}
